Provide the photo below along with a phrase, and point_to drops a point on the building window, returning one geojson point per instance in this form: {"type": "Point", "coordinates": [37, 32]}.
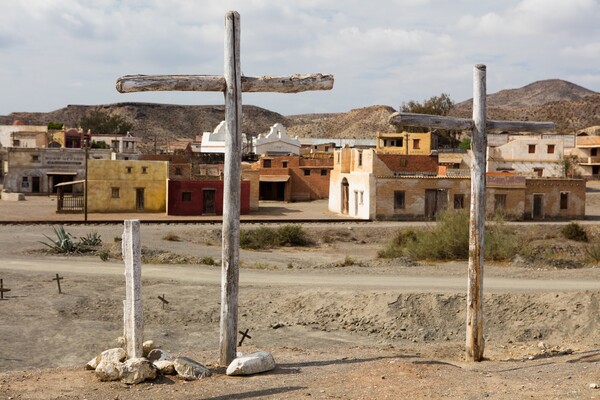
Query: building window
{"type": "Point", "coordinates": [399, 198]}
{"type": "Point", "coordinates": [177, 170]}
{"type": "Point", "coordinates": [362, 193]}
{"type": "Point", "coordinates": [307, 172]}
{"type": "Point", "coordinates": [16, 143]}
{"type": "Point", "coordinates": [116, 193]}
{"type": "Point", "coordinates": [284, 164]}
{"type": "Point", "coordinates": [531, 149]}
{"type": "Point", "coordinates": [360, 158]}
{"type": "Point", "coordinates": [499, 202]}
{"type": "Point", "coordinates": [550, 149]}
{"type": "Point", "coordinates": [564, 200]}
{"type": "Point", "coordinates": [403, 162]}
{"type": "Point", "coordinates": [323, 172]}
{"type": "Point", "coordinates": [416, 144]}
{"type": "Point", "coordinates": [594, 152]}
{"type": "Point", "coordinates": [459, 201]}
{"type": "Point", "coordinates": [129, 169]}
{"type": "Point", "coordinates": [144, 170]}
{"type": "Point", "coordinates": [25, 182]}
{"type": "Point", "coordinates": [186, 196]}
{"type": "Point", "coordinates": [266, 163]}
{"type": "Point", "coordinates": [539, 171]}
{"type": "Point", "coordinates": [35, 158]}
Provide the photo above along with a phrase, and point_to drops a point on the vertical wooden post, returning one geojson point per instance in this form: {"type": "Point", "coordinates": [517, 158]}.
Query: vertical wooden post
{"type": "Point", "coordinates": [133, 312]}
{"type": "Point", "coordinates": [231, 192]}
{"type": "Point", "coordinates": [475, 340]}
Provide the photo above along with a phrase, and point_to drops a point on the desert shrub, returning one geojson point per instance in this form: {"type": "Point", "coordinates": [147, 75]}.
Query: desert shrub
{"type": "Point", "coordinates": [265, 238]}
{"type": "Point", "coordinates": [574, 231]}
{"type": "Point", "coordinates": [449, 240]}
{"type": "Point", "coordinates": [500, 241]}
{"type": "Point", "coordinates": [292, 235]}
{"type": "Point", "coordinates": [592, 252]}
{"type": "Point", "coordinates": [104, 255]}
{"type": "Point", "coordinates": [172, 237]}
{"type": "Point", "coordinates": [207, 260]}
{"type": "Point", "coordinates": [396, 247]}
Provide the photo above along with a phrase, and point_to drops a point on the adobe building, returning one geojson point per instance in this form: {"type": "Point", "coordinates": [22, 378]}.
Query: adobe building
{"type": "Point", "coordinates": [407, 143]}
{"type": "Point", "coordinates": [528, 156]}
{"type": "Point", "coordinates": [127, 186]}
{"type": "Point", "coordinates": [368, 185]}
{"type": "Point", "coordinates": [37, 171]}
{"type": "Point", "coordinates": [190, 175]}
{"type": "Point", "coordinates": [587, 151]}
{"type": "Point", "coordinates": [276, 142]}
{"type": "Point", "coordinates": [294, 178]}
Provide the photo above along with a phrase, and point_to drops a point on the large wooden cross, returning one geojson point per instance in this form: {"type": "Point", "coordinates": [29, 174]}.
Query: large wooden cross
{"type": "Point", "coordinates": [478, 126]}
{"type": "Point", "coordinates": [232, 84]}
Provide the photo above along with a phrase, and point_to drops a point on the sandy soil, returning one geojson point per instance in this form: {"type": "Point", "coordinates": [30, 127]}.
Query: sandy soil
{"type": "Point", "coordinates": [373, 330]}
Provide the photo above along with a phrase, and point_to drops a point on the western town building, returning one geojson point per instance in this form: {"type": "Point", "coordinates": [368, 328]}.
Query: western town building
{"type": "Point", "coordinates": [368, 185]}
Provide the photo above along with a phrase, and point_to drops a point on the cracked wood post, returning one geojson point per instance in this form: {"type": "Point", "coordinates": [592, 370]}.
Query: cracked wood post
{"type": "Point", "coordinates": [478, 127]}
{"type": "Point", "coordinates": [231, 192]}
{"type": "Point", "coordinates": [133, 311]}
{"type": "Point", "coordinates": [475, 341]}
{"type": "Point", "coordinates": [231, 84]}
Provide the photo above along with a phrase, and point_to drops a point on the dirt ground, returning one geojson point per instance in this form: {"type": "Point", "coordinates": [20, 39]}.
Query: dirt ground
{"type": "Point", "coordinates": [372, 330]}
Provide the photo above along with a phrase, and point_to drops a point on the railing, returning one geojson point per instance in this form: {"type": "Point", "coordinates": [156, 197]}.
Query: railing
{"type": "Point", "coordinates": [70, 203]}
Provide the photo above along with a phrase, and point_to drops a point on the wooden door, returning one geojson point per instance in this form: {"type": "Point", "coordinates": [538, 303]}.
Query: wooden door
{"type": "Point", "coordinates": [35, 184]}
{"type": "Point", "coordinates": [139, 199]}
{"type": "Point", "coordinates": [538, 206]}
{"type": "Point", "coordinates": [208, 201]}
{"type": "Point", "coordinates": [345, 196]}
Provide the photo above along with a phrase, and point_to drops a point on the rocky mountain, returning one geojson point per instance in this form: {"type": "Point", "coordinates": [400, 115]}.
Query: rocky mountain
{"type": "Point", "coordinates": [570, 106]}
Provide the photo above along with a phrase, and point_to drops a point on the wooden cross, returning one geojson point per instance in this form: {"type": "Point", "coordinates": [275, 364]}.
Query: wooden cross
{"type": "Point", "coordinates": [58, 279]}
{"type": "Point", "coordinates": [3, 290]}
{"type": "Point", "coordinates": [232, 84]}
{"type": "Point", "coordinates": [478, 127]}
{"type": "Point", "coordinates": [244, 336]}
{"type": "Point", "coordinates": [164, 301]}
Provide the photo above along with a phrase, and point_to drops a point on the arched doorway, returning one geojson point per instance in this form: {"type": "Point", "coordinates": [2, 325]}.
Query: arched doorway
{"type": "Point", "coordinates": [345, 196]}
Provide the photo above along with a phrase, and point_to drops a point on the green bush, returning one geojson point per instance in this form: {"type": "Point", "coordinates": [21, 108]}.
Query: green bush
{"type": "Point", "coordinates": [91, 239]}
{"type": "Point", "coordinates": [266, 238]}
{"type": "Point", "coordinates": [208, 260]}
{"type": "Point", "coordinates": [574, 231]}
{"type": "Point", "coordinates": [449, 240]}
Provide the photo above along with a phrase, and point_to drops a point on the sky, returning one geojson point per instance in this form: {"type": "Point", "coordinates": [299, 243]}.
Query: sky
{"type": "Point", "coordinates": [381, 52]}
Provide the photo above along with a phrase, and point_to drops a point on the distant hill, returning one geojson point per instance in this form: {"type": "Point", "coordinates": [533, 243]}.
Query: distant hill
{"type": "Point", "coordinates": [570, 106]}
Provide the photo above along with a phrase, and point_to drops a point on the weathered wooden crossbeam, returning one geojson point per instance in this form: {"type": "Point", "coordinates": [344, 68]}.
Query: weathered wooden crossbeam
{"type": "Point", "coordinates": [464, 124]}
{"type": "Point", "coordinates": [214, 83]}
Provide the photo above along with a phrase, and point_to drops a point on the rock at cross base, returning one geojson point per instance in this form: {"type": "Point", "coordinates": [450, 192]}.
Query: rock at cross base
{"type": "Point", "coordinates": [137, 370]}
{"type": "Point", "coordinates": [147, 347]}
{"type": "Point", "coordinates": [108, 370]}
{"type": "Point", "coordinates": [250, 364]}
{"type": "Point", "coordinates": [166, 367]}
{"type": "Point", "coordinates": [159, 355]}
{"type": "Point", "coordinates": [189, 369]}
{"type": "Point", "coordinates": [115, 355]}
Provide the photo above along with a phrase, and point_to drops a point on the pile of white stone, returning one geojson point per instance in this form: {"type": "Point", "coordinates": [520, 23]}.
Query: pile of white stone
{"type": "Point", "coordinates": [113, 365]}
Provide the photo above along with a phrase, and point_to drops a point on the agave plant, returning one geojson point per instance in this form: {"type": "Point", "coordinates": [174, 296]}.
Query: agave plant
{"type": "Point", "coordinates": [91, 239]}
{"type": "Point", "coordinates": [63, 242]}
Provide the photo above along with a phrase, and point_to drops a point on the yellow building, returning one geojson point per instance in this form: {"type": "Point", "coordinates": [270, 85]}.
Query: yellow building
{"type": "Point", "coordinates": [407, 143]}
{"type": "Point", "coordinates": [127, 186]}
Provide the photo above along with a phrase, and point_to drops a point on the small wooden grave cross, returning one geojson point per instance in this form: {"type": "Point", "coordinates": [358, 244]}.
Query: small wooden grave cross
{"type": "Point", "coordinates": [3, 290]}
{"type": "Point", "coordinates": [232, 84]}
{"type": "Point", "coordinates": [478, 127]}
{"type": "Point", "coordinates": [164, 301]}
{"type": "Point", "coordinates": [58, 279]}
{"type": "Point", "coordinates": [244, 336]}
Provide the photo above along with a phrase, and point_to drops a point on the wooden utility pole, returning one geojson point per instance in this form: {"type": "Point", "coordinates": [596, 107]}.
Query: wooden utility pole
{"type": "Point", "coordinates": [231, 84]}
{"type": "Point", "coordinates": [478, 127]}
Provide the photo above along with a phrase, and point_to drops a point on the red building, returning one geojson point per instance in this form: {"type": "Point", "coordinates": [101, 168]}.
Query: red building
{"type": "Point", "coordinates": [203, 197]}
